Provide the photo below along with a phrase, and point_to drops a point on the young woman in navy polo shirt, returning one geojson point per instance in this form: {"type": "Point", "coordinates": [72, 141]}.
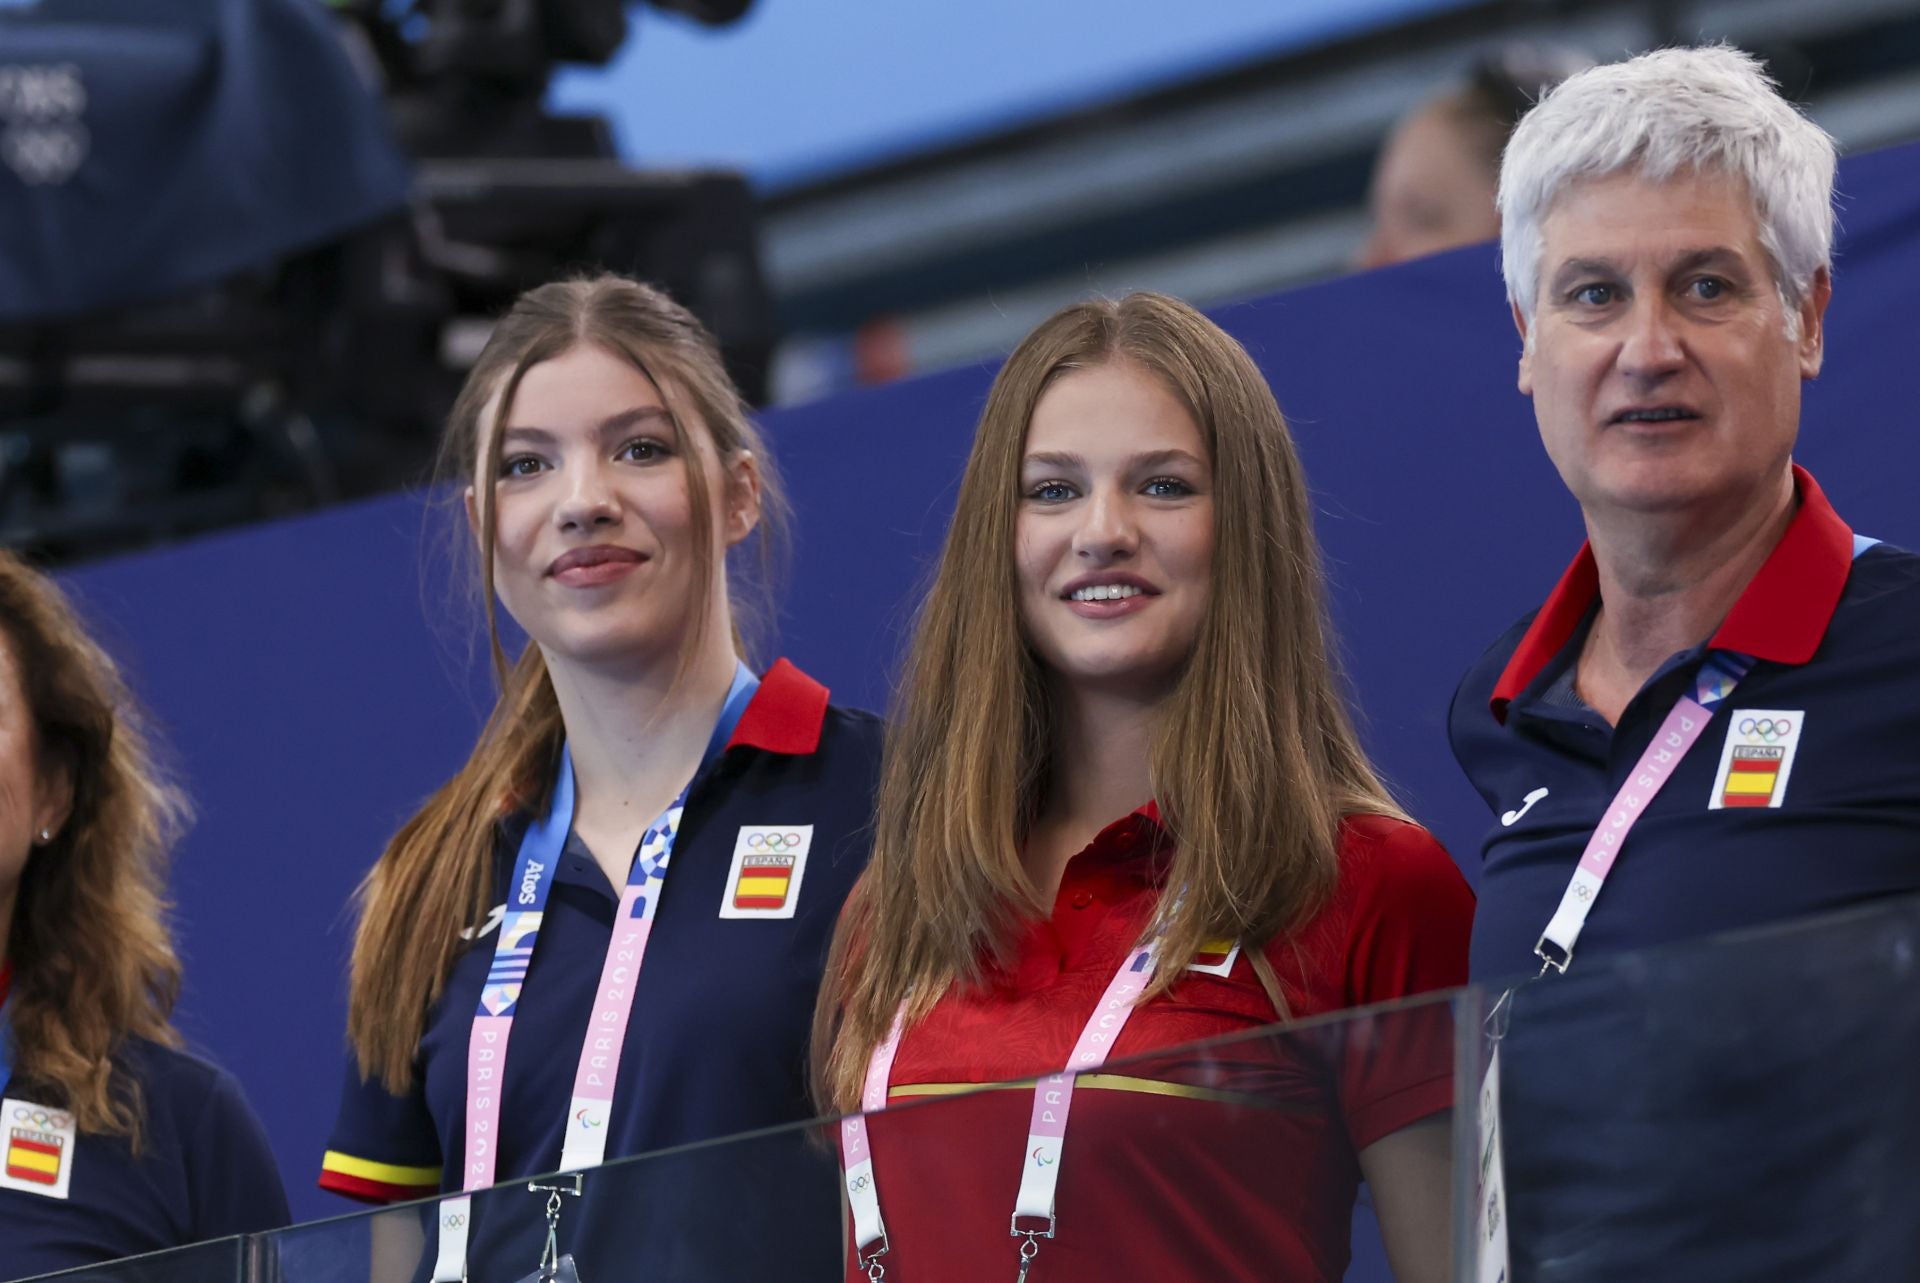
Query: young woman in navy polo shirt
{"type": "Point", "coordinates": [112, 1140]}
{"type": "Point", "coordinates": [639, 803]}
{"type": "Point", "coordinates": [1123, 770]}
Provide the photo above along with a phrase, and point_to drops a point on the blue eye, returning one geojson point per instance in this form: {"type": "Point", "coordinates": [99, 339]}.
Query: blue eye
{"type": "Point", "coordinates": [1594, 295]}
{"type": "Point", "coordinates": [1167, 488]}
{"type": "Point", "coordinates": [643, 450]}
{"type": "Point", "coordinates": [1707, 288]}
{"type": "Point", "coordinates": [522, 465]}
{"type": "Point", "coordinates": [1051, 492]}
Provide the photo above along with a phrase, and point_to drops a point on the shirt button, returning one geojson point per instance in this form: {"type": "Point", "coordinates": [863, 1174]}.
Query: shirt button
{"type": "Point", "coordinates": [1081, 899]}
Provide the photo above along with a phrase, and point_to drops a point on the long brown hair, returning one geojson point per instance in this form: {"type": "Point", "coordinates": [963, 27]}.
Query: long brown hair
{"type": "Point", "coordinates": [436, 875]}
{"type": "Point", "coordinates": [93, 960]}
{"type": "Point", "coordinates": [1254, 763]}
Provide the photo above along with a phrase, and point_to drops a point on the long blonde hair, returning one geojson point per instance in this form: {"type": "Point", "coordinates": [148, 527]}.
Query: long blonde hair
{"type": "Point", "coordinates": [93, 959]}
{"type": "Point", "coordinates": [436, 875]}
{"type": "Point", "coordinates": [1255, 762]}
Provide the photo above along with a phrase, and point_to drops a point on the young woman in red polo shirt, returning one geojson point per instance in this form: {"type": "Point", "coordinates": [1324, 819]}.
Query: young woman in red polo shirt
{"type": "Point", "coordinates": [1121, 741]}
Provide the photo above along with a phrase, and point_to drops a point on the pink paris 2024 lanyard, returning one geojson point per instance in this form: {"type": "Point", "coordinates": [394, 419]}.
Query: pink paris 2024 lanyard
{"type": "Point", "coordinates": [1046, 1133]}
{"type": "Point", "coordinates": [591, 1107]}
{"type": "Point", "coordinates": [1719, 673]}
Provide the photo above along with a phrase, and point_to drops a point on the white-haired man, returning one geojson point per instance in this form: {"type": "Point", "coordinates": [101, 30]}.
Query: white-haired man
{"type": "Point", "coordinates": [1712, 722]}
{"type": "Point", "coordinates": [1714, 719]}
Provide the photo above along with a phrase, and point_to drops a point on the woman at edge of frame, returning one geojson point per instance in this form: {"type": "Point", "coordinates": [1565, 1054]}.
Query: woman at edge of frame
{"type": "Point", "coordinates": [113, 1140]}
{"type": "Point", "coordinates": [614, 475]}
{"type": "Point", "coordinates": [1120, 722]}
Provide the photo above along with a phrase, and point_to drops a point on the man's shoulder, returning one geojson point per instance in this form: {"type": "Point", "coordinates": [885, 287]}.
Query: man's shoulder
{"type": "Point", "coordinates": [1878, 614]}
{"type": "Point", "coordinates": [1471, 696]}
{"type": "Point", "coordinates": [1885, 577]}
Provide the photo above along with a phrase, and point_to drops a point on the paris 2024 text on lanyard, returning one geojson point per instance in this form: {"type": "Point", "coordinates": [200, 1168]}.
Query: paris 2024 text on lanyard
{"type": "Point", "coordinates": [1719, 674]}
{"type": "Point", "coordinates": [592, 1104]}
{"type": "Point", "coordinates": [1042, 1159]}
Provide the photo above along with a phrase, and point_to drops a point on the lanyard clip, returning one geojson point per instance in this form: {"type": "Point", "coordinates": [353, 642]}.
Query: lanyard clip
{"type": "Point", "coordinates": [1498, 1018]}
{"type": "Point", "coordinates": [550, 1254]}
{"type": "Point", "coordinates": [1545, 951]}
{"type": "Point", "coordinates": [870, 1260]}
{"type": "Point", "coordinates": [1030, 1246]}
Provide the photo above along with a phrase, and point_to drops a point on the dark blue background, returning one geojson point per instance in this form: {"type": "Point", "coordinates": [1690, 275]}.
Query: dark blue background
{"type": "Point", "coordinates": [312, 706]}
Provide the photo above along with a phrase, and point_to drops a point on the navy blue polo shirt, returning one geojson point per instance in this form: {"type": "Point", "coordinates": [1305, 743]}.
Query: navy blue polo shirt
{"type": "Point", "coordinates": [203, 1170]}
{"type": "Point", "coordinates": [1837, 640]}
{"type": "Point", "coordinates": [717, 1040]}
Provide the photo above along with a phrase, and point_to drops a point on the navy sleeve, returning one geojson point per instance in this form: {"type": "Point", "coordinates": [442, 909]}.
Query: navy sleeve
{"type": "Point", "coordinates": [233, 1183]}
{"type": "Point", "coordinates": [384, 1147]}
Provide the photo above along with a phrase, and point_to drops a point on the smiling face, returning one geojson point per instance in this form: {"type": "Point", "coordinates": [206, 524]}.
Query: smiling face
{"type": "Point", "coordinates": [1663, 365]}
{"type": "Point", "coordinates": [597, 546]}
{"type": "Point", "coordinates": [1114, 534]}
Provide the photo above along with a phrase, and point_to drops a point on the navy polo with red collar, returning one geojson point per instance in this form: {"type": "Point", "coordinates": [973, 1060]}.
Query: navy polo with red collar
{"type": "Point", "coordinates": [1836, 638]}
{"type": "Point", "coordinates": [202, 1170]}
{"type": "Point", "coordinates": [716, 1044]}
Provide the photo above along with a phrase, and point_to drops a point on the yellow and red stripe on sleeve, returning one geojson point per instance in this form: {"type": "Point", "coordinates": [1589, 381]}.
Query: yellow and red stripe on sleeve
{"type": "Point", "coordinates": [372, 1182]}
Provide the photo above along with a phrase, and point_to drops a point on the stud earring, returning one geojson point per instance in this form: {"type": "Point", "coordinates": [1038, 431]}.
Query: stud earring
{"type": "Point", "coordinates": [46, 835]}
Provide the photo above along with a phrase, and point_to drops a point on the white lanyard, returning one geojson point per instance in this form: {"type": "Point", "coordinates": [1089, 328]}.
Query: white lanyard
{"type": "Point", "coordinates": [1046, 1131]}
{"type": "Point", "coordinates": [1682, 729]}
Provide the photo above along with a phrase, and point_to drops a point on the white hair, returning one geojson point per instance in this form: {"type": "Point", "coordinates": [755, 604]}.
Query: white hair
{"type": "Point", "coordinates": [1705, 110]}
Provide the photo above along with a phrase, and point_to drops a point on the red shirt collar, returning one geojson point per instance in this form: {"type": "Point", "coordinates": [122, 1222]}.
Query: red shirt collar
{"type": "Point", "coordinates": [1781, 615]}
{"type": "Point", "coordinates": [785, 715]}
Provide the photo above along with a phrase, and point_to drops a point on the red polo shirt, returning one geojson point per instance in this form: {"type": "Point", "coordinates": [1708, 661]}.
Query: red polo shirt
{"type": "Point", "coordinates": [1236, 1162]}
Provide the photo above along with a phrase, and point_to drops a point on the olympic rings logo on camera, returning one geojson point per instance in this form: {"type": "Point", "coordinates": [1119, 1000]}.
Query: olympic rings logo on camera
{"type": "Point", "coordinates": [773, 842]}
{"type": "Point", "coordinates": [1770, 729]}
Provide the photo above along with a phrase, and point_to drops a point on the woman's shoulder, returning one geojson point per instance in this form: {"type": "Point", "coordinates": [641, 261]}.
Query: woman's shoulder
{"type": "Point", "coordinates": [792, 702]}
{"type": "Point", "coordinates": [184, 1083]}
{"type": "Point", "coordinates": [1377, 849]}
{"type": "Point", "coordinates": [857, 725]}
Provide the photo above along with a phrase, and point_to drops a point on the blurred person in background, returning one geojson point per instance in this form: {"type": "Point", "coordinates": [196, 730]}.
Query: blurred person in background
{"type": "Point", "coordinates": [1435, 180]}
{"type": "Point", "coordinates": [113, 1140]}
{"type": "Point", "coordinates": [640, 801]}
{"type": "Point", "coordinates": [1124, 773]}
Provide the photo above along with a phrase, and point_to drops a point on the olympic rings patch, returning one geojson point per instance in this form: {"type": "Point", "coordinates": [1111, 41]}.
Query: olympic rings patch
{"type": "Point", "coordinates": [1769, 729]}
{"type": "Point", "coordinates": [776, 841]}
{"type": "Point", "coordinates": [33, 1116]}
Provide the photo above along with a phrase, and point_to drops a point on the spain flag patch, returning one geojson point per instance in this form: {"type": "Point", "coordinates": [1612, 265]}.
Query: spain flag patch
{"type": "Point", "coordinates": [1216, 957]}
{"type": "Point", "coordinates": [39, 1139]}
{"type": "Point", "coordinates": [769, 863]}
{"type": "Point", "coordinates": [1757, 759]}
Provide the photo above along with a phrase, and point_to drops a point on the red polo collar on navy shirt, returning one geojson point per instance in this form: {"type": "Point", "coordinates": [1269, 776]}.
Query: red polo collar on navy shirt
{"type": "Point", "coordinates": [1781, 615]}
{"type": "Point", "coordinates": [785, 715]}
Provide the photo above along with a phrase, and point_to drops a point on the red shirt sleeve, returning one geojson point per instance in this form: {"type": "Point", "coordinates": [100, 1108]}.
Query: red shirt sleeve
{"type": "Point", "coordinates": [1408, 915]}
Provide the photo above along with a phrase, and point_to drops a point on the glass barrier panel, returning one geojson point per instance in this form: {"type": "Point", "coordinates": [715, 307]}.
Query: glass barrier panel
{"type": "Point", "coordinates": [220, 1260]}
{"type": "Point", "coordinates": [1741, 1108]}
{"type": "Point", "coordinates": [1235, 1158]}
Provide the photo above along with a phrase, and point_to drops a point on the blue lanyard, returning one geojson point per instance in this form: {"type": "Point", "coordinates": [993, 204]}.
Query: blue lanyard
{"type": "Point", "coordinates": [545, 840]}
